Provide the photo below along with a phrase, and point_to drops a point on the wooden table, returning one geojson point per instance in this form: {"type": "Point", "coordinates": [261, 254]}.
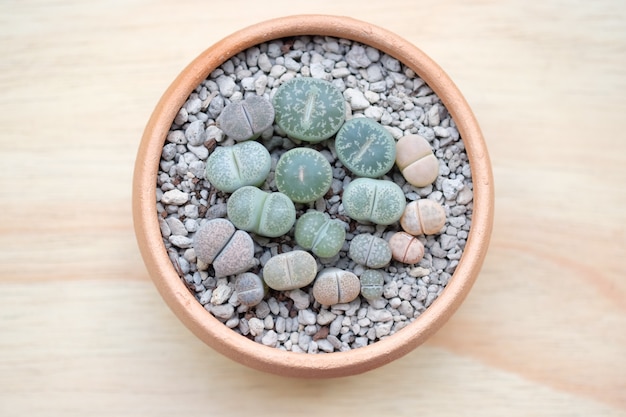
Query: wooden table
{"type": "Point", "coordinates": [83, 330]}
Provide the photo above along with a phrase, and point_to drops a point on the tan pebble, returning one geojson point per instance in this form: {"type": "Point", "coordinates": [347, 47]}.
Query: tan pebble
{"type": "Point", "coordinates": [334, 285]}
{"type": "Point", "coordinates": [423, 217]}
{"type": "Point", "coordinates": [406, 248]}
{"type": "Point", "coordinates": [416, 160]}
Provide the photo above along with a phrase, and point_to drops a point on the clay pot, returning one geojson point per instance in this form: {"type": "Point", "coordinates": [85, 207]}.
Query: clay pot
{"type": "Point", "coordinates": [193, 314]}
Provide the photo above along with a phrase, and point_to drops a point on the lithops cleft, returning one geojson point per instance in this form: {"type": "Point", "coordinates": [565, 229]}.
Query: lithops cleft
{"type": "Point", "coordinates": [231, 167]}
{"type": "Point", "coordinates": [246, 119]}
{"type": "Point", "coordinates": [303, 174]}
{"type": "Point", "coordinates": [365, 147]}
{"type": "Point", "coordinates": [309, 109]}
{"type": "Point", "coordinates": [260, 212]}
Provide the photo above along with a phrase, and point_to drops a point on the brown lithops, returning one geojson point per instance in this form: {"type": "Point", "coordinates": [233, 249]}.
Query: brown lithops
{"type": "Point", "coordinates": [423, 217]}
{"type": "Point", "coordinates": [334, 285]}
{"type": "Point", "coordinates": [416, 160]}
{"type": "Point", "coordinates": [406, 248]}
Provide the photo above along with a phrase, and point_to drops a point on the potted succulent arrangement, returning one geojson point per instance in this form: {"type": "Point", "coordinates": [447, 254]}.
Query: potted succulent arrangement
{"type": "Point", "coordinates": [313, 196]}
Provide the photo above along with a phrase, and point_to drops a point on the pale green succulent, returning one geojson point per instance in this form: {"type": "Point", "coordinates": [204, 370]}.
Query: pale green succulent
{"type": "Point", "coordinates": [372, 282]}
{"type": "Point", "coordinates": [370, 250]}
{"type": "Point", "coordinates": [290, 270]}
{"type": "Point", "coordinates": [260, 212]}
{"type": "Point", "coordinates": [309, 109]}
{"type": "Point", "coordinates": [303, 174]}
{"type": "Point", "coordinates": [231, 167]}
{"type": "Point", "coordinates": [365, 147]}
{"type": "Point", "coordinates": [320, 234]}
{"type": "Point", "coordinates": [377, 201]}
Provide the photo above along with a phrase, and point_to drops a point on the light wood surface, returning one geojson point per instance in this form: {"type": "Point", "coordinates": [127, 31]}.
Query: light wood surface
{"type": "Point", "coordinates": [83, 330]}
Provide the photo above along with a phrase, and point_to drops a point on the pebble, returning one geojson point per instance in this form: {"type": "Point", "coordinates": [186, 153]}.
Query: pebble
{"type": "Point", "coordinates": [375, 86]}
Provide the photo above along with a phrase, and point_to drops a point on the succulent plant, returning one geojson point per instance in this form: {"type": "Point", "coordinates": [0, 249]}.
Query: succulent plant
{"type": "Point", "coordinates": [365, 147]}
{"type": "Point", "coordinates": [290, 270]}
{"type": "Point", "coordinates": [369, 250]}
{"type": "Point", "coordinates": [334, 285]}
{"type": "Point", "coordinates": [406, 248]}
{"type": "Point", "coordinates": [372, 281]}
{"type": "Point", "coordinates": [416, 160]}
{"type": "Point", "coordinates": [423, 216]}
{"type": "Point", "coordinates": [250, 289]}
{"type": "Point", "coordinates": [231, 167]}
{"type": "Point", "coordinates": [303, 174]}
{"type": "Point", "coordinates": [378, 201]}
{"type": "Point", "coordinates": [247, 118]}
{"type": "Point", "coordinates": [230, 251]}
{"type": "Point", "coordinates": [260, 212]}
{"type": "Point", "coordinates": [309, 109]}
{"type": "Point", "coordinates": [320, 234]}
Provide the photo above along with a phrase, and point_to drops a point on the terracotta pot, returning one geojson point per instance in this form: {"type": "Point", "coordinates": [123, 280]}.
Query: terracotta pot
{"type": "Point", "coordinates": [238, 347]}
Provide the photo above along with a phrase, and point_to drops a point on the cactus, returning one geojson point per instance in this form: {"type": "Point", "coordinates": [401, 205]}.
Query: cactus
{"type": "Point", "coordinates": [309, 109]}
{"type": "Point", "coordinates": [303, 174]}
{"type": "Point", "coordinates": [365, 147]}
{"type": "Point", "coordinates": [231, 167]}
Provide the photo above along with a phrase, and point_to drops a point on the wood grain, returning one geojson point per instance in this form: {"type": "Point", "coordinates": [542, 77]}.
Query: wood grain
{"type": "Point", "coordinates": [83, 331]}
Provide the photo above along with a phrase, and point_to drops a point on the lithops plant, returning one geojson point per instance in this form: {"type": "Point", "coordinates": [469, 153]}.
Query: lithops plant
{"type": "Point", "coordinates": [406, 248]}
{"type": "Point", "coordinates": [317, 232]}
{"type": "Point", "coordinates": [260, 212]}
{"type": "Point", "coordinates": [290, 270]}
{"type": "Point", "coordinates": [365, 147]}
{"type": "Point", "coordinates": [249, 288]}
{"type": "Point", "coordinates": [378, 201]}
{"type": "Point", "coordinates": [423, 216]}
{"type": "Point", "coordinates": [370, 251]}
{"type": "Point", "coordinates": [334, 285]}
{"type": "Point", "coordinates": [416, 160]}
{"type": "Point", "coordinates": [230, 251]}
{"type": "Point", "coordinates": [247, 118]}
{"type": "Point", "coordinates": [231, 167]}
{"type": "Point", "coordinates": [372, 282]}
{"type": "Point", "coordinates": [309, 109]}
{"type": "Point", "coordinates": [303, 174]}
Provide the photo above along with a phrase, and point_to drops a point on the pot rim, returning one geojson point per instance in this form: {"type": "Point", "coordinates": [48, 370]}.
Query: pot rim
{"type": "Point", "coordinates": [203, 324]}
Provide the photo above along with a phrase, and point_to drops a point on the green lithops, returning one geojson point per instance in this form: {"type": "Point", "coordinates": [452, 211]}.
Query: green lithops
{"type": "Point", "coordinates": [290, 270]}
{"type": "Point", "coordinates": [309, 109]}
{"type": "Point", "coordinates": [365, 147]}
{"type": "Point", "coordinates": [303, 174]}
{"type": "Point", "coordinates": [372, 281]}
{"type": "Point", "coordinates": [320, 234]}
{"type": "Point", "coordinates": [378, 201]}
{"type": "Point", "coordinates": [231, 167]}
{"type": "Point", "coordinates": [260, 212]}
{"type": "Point", "coordinates": [370, 251]}
{"type": "Point", "coordinates": [247, 118]}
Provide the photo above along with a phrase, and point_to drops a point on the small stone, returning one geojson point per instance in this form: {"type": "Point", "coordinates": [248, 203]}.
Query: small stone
{"type": "Point", "coordinates": [226, 85]}
{"type": "Point", "coordinates": [256, 326]}
{"type": "Point", "coordinates": [182, 242]}
{"type": "Point", "coordinates": [325, 317]}
{"type": "Point", "coordinates": [175, 197]}
{"type": "Point", "coordinates": [306, 317]}
{"type": "Point", "coordinates": [195, 133]}
{"type": "Point", "coordinates": [224, 311]}
{"type": "Point", "coordinates": [379, 315]}
{"type": "Point", "coordinates": [270, 338]}
{"type": "Point", "coordinates": [300, 299]}
{"type": "Point", "coordinates": [356, 98]}
{"type": "Point", "coordinates": [221, 294]}
{"type": "Point", "coordinates": [465, 196]}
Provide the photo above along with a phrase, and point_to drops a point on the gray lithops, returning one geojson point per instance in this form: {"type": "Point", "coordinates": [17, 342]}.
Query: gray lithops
{"type": "Point", "coordinates": [230, 251]}
{"type": "Point", "coordinates": [231, 167]}
{"type": "Point", "coordinates": [365, 147]}
{"type": "Point", "coordinates": [369, 250]}
{"type": "Point", "coordinates": [309, 109]}
{"type": "Point", "coordinates": [334, 285]}
{"type": "Point", "coordinates": [249, 288]}
{"type": "Point", "coordinates": [246, 119]}
{"type": "Point", "coordinates": [377, 201]}
{"type": "Point", "coordinates": [260, 212]}
{"type": "Point", "coordinates": [372, 282]}
{"type": "Point", "coordinates": [320, 234]}
{"type": "Point", "coordinates": [290, 270]}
